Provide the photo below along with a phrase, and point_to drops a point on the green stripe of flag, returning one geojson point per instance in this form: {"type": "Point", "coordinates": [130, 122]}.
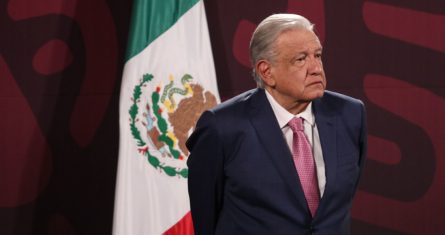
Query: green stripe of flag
{"type": "Point", "coordinates": [150, 19]}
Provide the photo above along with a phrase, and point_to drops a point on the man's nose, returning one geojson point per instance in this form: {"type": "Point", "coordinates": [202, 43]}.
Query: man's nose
{"type": "Point", "coordinates": [315, 66]}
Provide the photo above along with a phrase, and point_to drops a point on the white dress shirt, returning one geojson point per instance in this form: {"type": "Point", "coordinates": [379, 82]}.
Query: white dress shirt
{"type": "Point", "coordinates": [311, 131]}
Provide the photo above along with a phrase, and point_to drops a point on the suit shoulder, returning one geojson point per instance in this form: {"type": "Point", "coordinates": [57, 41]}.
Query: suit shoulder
{"type": "Point", "coordinates": [340, 99]}
{"type": "Point", "coordinates": [219, 120]}
{"type": "Point", "coordinates": [340, 104]}
{"type": "Point", "coordinates": [234, 104]}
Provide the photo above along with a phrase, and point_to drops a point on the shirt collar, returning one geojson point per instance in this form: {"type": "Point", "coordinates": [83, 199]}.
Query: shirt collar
{"type": "Point", "coordinates": [283, 116]}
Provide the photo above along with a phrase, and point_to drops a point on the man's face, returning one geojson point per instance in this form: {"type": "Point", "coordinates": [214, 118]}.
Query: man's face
{"type": "Point", "coordinates": [296, 74]}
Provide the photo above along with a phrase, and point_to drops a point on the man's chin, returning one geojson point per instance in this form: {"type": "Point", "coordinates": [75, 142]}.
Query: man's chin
{"type": "Point", "coordinates": [316, 94]}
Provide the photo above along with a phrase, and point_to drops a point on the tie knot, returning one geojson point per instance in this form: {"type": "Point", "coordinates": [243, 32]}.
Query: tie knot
{"type": "Point", "coordinates": [296, 124]}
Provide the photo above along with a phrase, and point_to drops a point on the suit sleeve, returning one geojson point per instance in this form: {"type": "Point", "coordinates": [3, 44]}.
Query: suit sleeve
{"type": "Point", "coordinates": [205, 180]}
{"type": "Point", "coordinates": [363, 137]}
{"type": "Point", "coordinates": [363, 141]}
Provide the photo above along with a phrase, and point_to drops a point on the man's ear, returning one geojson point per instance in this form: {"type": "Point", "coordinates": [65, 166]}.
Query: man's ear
{"type": "Point", "coordinates": [264, 70]}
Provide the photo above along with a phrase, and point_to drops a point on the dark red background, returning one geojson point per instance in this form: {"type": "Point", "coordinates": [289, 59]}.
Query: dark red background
{"type": "Point", "coordinates": [60, 72]}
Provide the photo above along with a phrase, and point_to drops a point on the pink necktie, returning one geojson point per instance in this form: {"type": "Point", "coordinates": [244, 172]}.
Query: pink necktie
{"type": "Point", "coordinates": [304, 162]}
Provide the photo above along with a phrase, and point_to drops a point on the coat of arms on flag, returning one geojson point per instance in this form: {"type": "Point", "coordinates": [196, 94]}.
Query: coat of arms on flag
{"type": "Point", "coordinates": [161, 119]}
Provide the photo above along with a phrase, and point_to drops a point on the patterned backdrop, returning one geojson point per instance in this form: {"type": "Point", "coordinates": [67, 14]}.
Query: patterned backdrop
{"type": "Point", "coordinates": [60, 71]}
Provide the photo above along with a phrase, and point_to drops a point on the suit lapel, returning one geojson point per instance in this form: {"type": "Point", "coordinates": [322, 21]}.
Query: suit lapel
{"type": "Point", "coordinates": [325, 119]}
{"type": "Point", "coordinates": [266, 125]}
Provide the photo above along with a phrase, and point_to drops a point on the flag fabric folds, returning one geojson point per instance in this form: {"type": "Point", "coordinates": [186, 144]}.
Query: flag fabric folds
{"type": "Point", "coordinates": [168, 81]}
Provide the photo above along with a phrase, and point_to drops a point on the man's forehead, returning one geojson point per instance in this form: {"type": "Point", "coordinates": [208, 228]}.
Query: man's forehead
{"type": "Point", "coordinates": [299, 39]}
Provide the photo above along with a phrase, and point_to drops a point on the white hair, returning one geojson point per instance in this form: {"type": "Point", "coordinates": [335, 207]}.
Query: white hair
{"type": "Point", "coordinates": [262, 42]}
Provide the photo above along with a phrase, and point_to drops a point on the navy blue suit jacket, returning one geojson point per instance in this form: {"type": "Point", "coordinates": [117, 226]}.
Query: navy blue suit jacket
{"type": "Point", "coordinates": [242, 179]}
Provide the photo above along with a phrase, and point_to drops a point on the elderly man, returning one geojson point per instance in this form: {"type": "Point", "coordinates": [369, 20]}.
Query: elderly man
{"type": "Point", "coordinates": [284, 158]}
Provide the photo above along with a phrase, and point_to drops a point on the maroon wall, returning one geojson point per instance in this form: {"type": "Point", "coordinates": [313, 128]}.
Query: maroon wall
{"type": "Point", "coordinates": [60, 69]}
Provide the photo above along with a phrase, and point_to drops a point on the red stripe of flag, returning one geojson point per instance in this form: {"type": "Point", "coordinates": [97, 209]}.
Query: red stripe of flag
{"type": "Point", "coordinates": [183, 227]}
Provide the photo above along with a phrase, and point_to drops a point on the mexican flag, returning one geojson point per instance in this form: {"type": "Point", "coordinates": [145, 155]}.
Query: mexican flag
{"type": "Point", "coordinates": [169, 80]}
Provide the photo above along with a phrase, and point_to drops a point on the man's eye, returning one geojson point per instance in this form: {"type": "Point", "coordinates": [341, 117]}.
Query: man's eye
{"type": "Point", "coordinates": [318, 55]}
{"type": "Point", "coordinates": [301, 58]}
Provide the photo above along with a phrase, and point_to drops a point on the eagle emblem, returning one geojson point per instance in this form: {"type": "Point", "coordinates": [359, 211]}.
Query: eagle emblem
{"type": "Point", "coordinates": [162, 118]}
